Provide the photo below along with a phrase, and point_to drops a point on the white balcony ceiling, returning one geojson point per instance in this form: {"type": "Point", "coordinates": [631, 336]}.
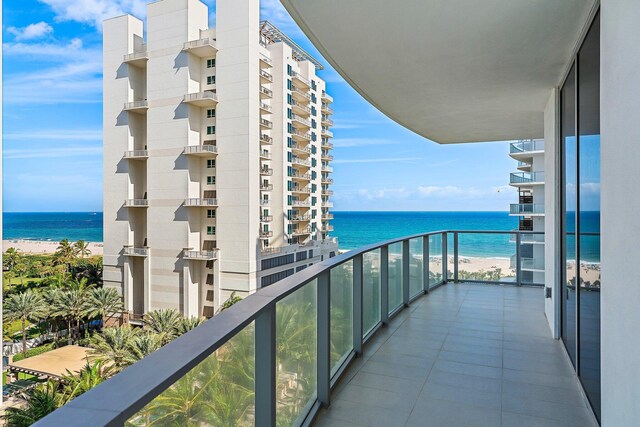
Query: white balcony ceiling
{"type": "Point", "coordinates": [450, 70]}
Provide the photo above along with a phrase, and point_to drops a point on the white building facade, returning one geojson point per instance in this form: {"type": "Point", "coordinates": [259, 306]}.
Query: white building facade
{"type": "Point", "coordinates": [529, 182]}
{"type": "Point", "coordinates": [216, 156]}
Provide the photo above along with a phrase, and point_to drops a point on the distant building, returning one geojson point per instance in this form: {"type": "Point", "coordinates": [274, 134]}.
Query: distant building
{"type": "Point", "coordinates": [530, 207]}
{"type": "Point", "coordinates": [216, 156]}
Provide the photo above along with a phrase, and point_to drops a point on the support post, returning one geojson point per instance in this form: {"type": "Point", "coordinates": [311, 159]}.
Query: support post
{"type": "Point", "coordinates": [406, 272]}
{"type": "Point", "coordinates": [265, 368]}
{"type": "Point", "coordinates": [445, 258]}
{"type": "Point", "coordinates": [425, 264]}
{"type": "Point", "coordinates": [455, 256]}
{"type": "Point", "coordinates": [518, 260]}
{"type": "Point", "coordinates": [384, 285]}
{"type": "Point", "coordinates": [324, 337]}
{"type": "Point", "coordinates": [358, 320]}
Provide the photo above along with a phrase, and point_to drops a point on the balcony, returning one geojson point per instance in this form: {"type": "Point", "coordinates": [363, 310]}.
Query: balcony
{"type": "Point", "coordinates": [326, 168]}
{"type": "Point", "coordinates": [300, 122]}
{"type": "Point", "coordinates": [265, 93]}
{"type": "Point", "coordinates": [266, 218]}
{"type": "Point", "coordinates": [299, 150]}
{"type": "Point", "coordinates": [301, 203]}
{"type": "Point", "coordinates": [326, 97]}
{"type": "Point", "coordinates": [204, 150]}
{"type": "Point", "coordinates": [133, 251]}
{"type": "Point", "coordinates": [327, 121]}
{"type": "Point", "coordinates": [527, 238]}
{"type": "Point", "coordinates": [300, 218]}
{"type": "Point", "coordinates": [266, 234]}
{"type": "Point", "coordinates": [326, 144]}
{"type": "Point", "coordinates": [523, 179]}
{"type": "Point", "coordinates": [265, 202]}
{"type": "Point", "coordinates": [301, 136]}
{"type": "Point", "coordinates": [301, 190]}
{"type": "Point", "coordinates": [326, 156]}
{"type": "Point", "coordinates": [139, 58]}
{"type": "Point", "coordinates": [326, 180]}
{"type": "Point", "coordinates": [265, 62]}
{"type": "Point", "coordinates": [326, 109]}
{"type": "Point", "coordinates": [198, 202]}
{"type": "Point", "coordinates": [300, 109]}
{"type": "Point", "coordinates": [202, 48]}
{"type": "Point", "coordinates": [298, 176]}
{"type": "Point", "coordinates": [139, 107]}
{"type": "Point", "coordinates": [266, 171]}
{"type": "Point", "coordinates": [136, 203]}
{"type": "Point", "coordinates": [526, 209]}
{"type": "Point", "coordinates": [265, 124]}
{"type": "Point", "coordinates": [327, 204]}
{"type": "Point", "coordinates": [136, 154]}
{"type": "Point", "coordinates": [524, 166]}
{"type": "Point", "coordinates": [301, 231]}
{"type": "Point", "coordinates": [455, 353]}
{"type": "Point", "coordinates": [326, 228]}
{"type": "Point", "coordinates": [265, 155]}
{"type": "Point", "coordinates": [266, 139]}
{"type": "Point", "coordinates": [265, 77]}
{"type": "Point", "coordinates": [300, 81]}
{"type": "Point", "coordinates": [270, 251]}
{"type": "Point", "coordinates": [301, 162]}
{"type": "Point", "coordinates": [526, 148]}
{"type": "Point", "coordinates": [265, 108]}
{"type": "Point", "coordinates": [266, 187]}
{"type": "Point", "coordinates": [327, 133]}
{"type": "Point", "coordinates": [327, 192]}
{"type": "Point", "coordinates": [326, 217]}
{"type": "Point", "coordinates": [300, 96]}
{"type": "Point", "coordinates": [200, 255]}
{"type": "Point", "coordinates": [528, 263]}
{"type": "Point", "coordinates": [208, 98]}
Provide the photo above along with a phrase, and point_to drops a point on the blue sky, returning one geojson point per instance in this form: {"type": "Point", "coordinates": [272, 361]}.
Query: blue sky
{"type": "Point", "coordinates": [53, 116]}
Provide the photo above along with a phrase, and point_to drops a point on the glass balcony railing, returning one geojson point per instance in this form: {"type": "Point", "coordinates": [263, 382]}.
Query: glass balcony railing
{"type": "Point", "coordinates": [526, 178]}
{"type": "Point", "coordinates": [527, 145]}
{"type": "Point", "coordinates": [275, 355]}
{"type": "Point", "coordinates": [526, 209]}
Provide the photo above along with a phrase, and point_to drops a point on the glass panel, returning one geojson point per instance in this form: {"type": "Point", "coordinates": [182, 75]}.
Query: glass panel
{"type": "Point", "coordinates": [567, 97]}
{"type": "Point", "coordinates": [415, 266]}
{"type": "Point", "coordinates": [435, 260]}
{"type": "Point", "coordinates": [370, 290]}
{"type": "Point", "coordinates": [449, 256]}
{"type": "Point", "coordinates": [395, 276]}
{"type": "Point", "coordinates": [589, 213]}
{"type": "Point", "coordinates": [532, 259]}
{"type": "Point", "coordinates": [486, 257]}
{"type": "Point", "coordinates": [341, 313]}
{"type": "Point", "coordinates": [219, 391]}
{"type": "Point", "coordinates": [296, 354]}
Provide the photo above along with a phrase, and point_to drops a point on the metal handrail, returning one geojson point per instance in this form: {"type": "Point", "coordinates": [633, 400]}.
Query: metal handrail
{"type": "Point", "coordinates": [200, 254]}
{"type": "Point", "coordinates": [122, 396]}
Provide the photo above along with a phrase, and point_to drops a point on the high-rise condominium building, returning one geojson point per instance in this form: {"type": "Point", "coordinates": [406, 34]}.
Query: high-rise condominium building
{"type": "Point", "coordinates": [529, 182]}
{"type": "Point", "coordinates": [216, 156]}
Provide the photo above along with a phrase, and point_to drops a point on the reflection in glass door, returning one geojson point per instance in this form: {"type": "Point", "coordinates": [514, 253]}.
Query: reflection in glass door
{"type": "Point", "coordinates": [569, 160]}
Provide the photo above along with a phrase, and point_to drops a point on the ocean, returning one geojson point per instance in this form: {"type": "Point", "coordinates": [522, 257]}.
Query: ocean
{"type": "Point", "coordinates": [352, 229]}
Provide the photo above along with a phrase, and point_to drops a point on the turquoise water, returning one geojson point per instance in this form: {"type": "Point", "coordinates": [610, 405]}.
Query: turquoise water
{"type": "Point", "coordinates": [355, 229]}
{"type": "Point", "coordinates": [53, 226]}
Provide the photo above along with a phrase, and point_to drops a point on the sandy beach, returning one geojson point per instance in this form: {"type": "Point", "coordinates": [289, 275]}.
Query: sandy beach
{"type": "Point", "coordinates": [42, 247]}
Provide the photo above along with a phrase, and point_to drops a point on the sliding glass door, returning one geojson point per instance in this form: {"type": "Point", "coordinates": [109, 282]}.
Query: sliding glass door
{"type": "Point", "coordinates": [580, 131]}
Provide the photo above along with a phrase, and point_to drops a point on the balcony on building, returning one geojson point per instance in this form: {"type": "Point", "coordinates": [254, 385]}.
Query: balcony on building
{"type": "Point", "coordinates": [301, 231]}
{"type": "Point", "coordinates": [326, 121]}
{"type": "Point", "coordinates": [301, 190]}
{"type": "Point", "coordinates": [138, 58]}
{"type": "Point", "coordinates": [300, 122]}
{"type": "Point", "coordinates": [327, 204]}
{"type": "Point", "coordinates": [265, 202]}
{"type": "Point", "coordinates": [528, 263]}
{"type": "Point", "coordinates": [300, 203]}
{"type": "Point", "coordinates": [300, 109]}
{"type": "Point", "coordinates": [266, 218]}
{"type": "Point", "coordinates": [300, 81]}
{"type": "Point", "coordinates": [300, 150]}
{"type": "Point", "coordinates": [326, 132]}
{"type": "Point", "coordinates": [265, 124]}
{"type": "Point", "coordinates": [325, 108]}
{"type": "Point", "coordinates": [265, 234]}
{"type": "Point", "coordinates": [326, 156]}
{"type": "Point", "coordinates": [203, 48]}
{"type": "Point", "coordinates": [327, 216]}
{"type": "Point", "coordinates": [300, 96]}
{"type": "Point", "coordinates": [525, 179]}
{"type": "Point", "coordinates": [326, 192]}
{"type": "Point", "coordinates": [206, 149]}
{"type": "Point", "coordinates": [326, 97]}
{"type": "Point", "coordinates": [326, 228]}
{"type": "Point", "coordinates": [200, 255]}
{"type": "Point", "coordinates": [300, 218]}
{"type": "Point", "coordinates": [139, 107]}
{"type": "Point", "coordinates": [266, 187]}
{"type": "Point", "coordinates": [526, 209]}
{"type": "Point", "coordinates": [326, 144]}
{"type": "Point", "coordinates": [326, 180]}
{"type": "Point", "coordinates": [135, 251]}
{"type": "Point", "coordinates": [527, 238]}
{"type": "Point", "coordinates": [327, 168]}
{"type": "Point", "coordinates": [136, 203]}
{"type": "Point", "coordinates": [525, 149]}
{"type": "Point", "coordinates": [265, 62]}
{"type": "Point", "coordinates": [265, 93]}
{"type": "Point", "coordinates": [524, 166]}
{"type": "Point", "coordinates": [296, 175]}
{"type": "Point", "coordinates": [266, 171]}
{"type": "Point", "coordinates": [207, 98]}
{"type": "Point", "coordinates": [301, 136]}
{"type": "Point", "coordinates": [265, 155]}
{"type": "Point", "coordinates": [297, 161]}
{"type": "Point", "coordinates": [265, 77]}
{"type": "Point", "coordinates": [265, 108]}
{"type": "Point", "coordinates": [198, 202]}
{"type": "Point", "coordinates": [266, 139]}
{"type": "Point", "coordinates": [136, 154]}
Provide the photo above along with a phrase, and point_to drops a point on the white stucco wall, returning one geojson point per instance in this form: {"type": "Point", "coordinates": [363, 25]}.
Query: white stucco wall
{"type": "Point", "coordinates": [620, 157]}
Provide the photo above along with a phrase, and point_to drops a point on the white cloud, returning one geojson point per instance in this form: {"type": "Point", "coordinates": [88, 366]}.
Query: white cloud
{"type": "Point", "coordinates": [56, 135]}
{"type": "Point", "coordinates": [385, 193]}
{"type": "Point", "coordinates": [66, 152]}
{"type": "Point", "coordinates": [93, 12]}
{"type": "Point", "coordinates": [361, 142]}
{"type": "Point", "coordinates": [381, 160]}
{"type": "Point", "coordinates": [57, 51]}
{"type": "Point", "coordinates": [31, 31]}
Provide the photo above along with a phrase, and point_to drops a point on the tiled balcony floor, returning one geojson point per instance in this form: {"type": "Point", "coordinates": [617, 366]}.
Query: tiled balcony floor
{"type": "Point", "coordinates": [465, 355]}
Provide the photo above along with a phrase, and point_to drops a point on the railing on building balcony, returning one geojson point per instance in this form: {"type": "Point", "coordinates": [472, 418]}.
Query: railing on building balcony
{"type": "Point", "coordinates": [327, 132]}
{"type": "Point", "coordinates": [208, 98]}
{"type": "Point", "coordinates": [270, 251]}
{"type": "Point", "coordinates": [265, 234]}
{"type": "Point", "coordinates": [202, 47]}
{"type": "Point", "coordinates": [265, 202]}
{"type": "Point", "coordinates": [266, 171]}
{"type": "Point", "coordinates": [301, 162]}
{"type": "Point", "coordinates": [266, 92]}
{"type": "Point", "coordinates": [265, 60]}
{"type": "Point", "coordinates": [266, 76]}
{"type": "Point", "coordinates": [326, 109]}
{"type": "Point", "coordinates": [300, 94]}
{"type": "Point", "coordinates": [300, 218]}
{"type": "Point", "coordinates": [301, 231]}
{"type": "Point", "coordinates": [327, 204]}
{"type": "Point", "coordinates": [136, 154]}
{"type": "Point", "coordinates": [137, 106]}
{"type": "Point", "coordinates": [526, 178]}
{"type": "Point", "coordinates": [305, 190]}
{"type": "Point", "coordinates": [526, 209]}
{"type": "Point", "coordinates": [200, 255]}
{"type": "Point", "coordinates": [136, 203]}
{"type": "Point", "coordinates": [266, 124]}
{"type": "Point", "coordinates": [300, 120]}
{"type": "Point", "coordinates": [527, 145]}
{"type": "Point", "coordinates": [201, 150]}
{"type": "Point", "coordinates": [301, 176]}
{"type": "Point", "coordinates": [133, 251]}
{"type": "Point", "coordinates": [301, 135]}
{"type": "Point", "coordinates": [200, 202]}
{"type": "Point", "coordinates": [527, 238]}
{"type": "Point", "coordinates": [326, 144]}
{"type": "Point", "coordinates": [139, 57]}
{"type": "Point", "coordinates": [266, 187]}
{"type": "Point", "coordinates": [527, 263]}
{"type": "Point", "coordinates": [265, 155]}
{"type": "Point", "coordinates": [299, 149]}
{"type": "Point", "coordinates": [297, 78]}
{"type": "Point", "coordinates": [265, 107]}
{"type": "Point", "coordinates": [266, 139]}
{"type": "Point", "coordinates": [326, 217]}
{"type": "Point", "coordinates": [327, 97]}
{"type": "Point", "coordinates": [299, 108]}
{"type": "Point", "coordinates": [266, 218]}
{"type": "Point", "coordinates": [326, 168]}
{"type": "Point", "coordinates": [238, 357]}
{"type": "Point", "coordinates": [326, 180]}
{"type": "Point", "coordinates": [300, 203]}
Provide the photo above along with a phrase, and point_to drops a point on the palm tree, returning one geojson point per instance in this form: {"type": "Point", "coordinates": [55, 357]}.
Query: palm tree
{"type": "Point", "coordinates": [104, 303]}
{"type": "Point", "coordinates": [25, 306]}
{"type": "Point", "coordinates": [51, 296]}
{"type": "Point", "coordinates": [11, 258]}
{"type": "Point", "coordinates": [73, 303]}
{"type": "Point", "coordinates": [66, 253]}
{"type": "Point", "coordinates": [233, 298]}
{"type": "Point", "coordinates": [82, 248]}
{"type": "Point", "coordinates": [112, 347]}
{"type": "Point", "coordinates": [143, 345]}
{"type": "Point", "coordinates": [74, 384]}
{"type": "Point", "coordinates": [163, 322]}
{"type": "Point", "coordinates": [188, 323]}
{"type": "Point", "coordinates": [38, 402]}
